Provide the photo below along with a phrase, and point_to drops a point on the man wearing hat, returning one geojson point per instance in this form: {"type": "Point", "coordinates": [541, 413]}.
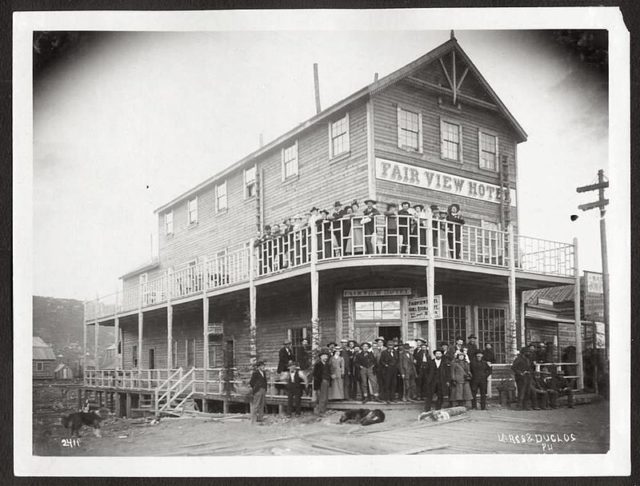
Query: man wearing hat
{"type": "Point", "coordinates": [404, 221]}
{"type": "Point", "coordinates": [366, 362]}
{"type": "Point", "coordinates": [295, 384]}
{"type": "Point", "coordinates": [472, 345]}
{"type": "Point", "coordinates": [350, 377]}
{"type": "Point", "coordinates": [321, 381]}
{"type": "Point", "coordinates": [438, 376]}
{"type": "Point", "coordinates": [421, 359]}
{"type": "Point", "coordinates": [369, 213]}
{"type": "Point", "coordinates": [521, 368]}
{"type": "Point", "coordinates": [392, 235]}
{"type": "Point", "coordinates": [378, 348]}
{"type": "Point", "coordinates": [285, 355]}
{"type": "Point", "coordinates": [389, 362]}
{"type": "Point", "coordinates": [323, 233]}
{"type": "Point", "coordinates": [454, 231]}
{"type": "Point", "coordinates": [407, 373]}
{"type": "Point", "coordinates": [337, 228]}
{"type": "Point", "coordinates": [258, 384]}
{"type": "Point", "coordinates": [480, 372]}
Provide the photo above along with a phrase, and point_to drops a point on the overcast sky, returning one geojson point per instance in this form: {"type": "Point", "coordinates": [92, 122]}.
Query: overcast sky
{"type": "Point", "coordinates": [130, 121]}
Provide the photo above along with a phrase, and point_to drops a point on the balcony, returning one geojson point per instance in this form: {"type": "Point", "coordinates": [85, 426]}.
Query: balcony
{"type": "Point", "coordinates": [394, 238]}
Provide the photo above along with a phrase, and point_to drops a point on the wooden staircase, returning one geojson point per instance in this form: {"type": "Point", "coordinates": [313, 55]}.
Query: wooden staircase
{"type": "Point", "coordinates": [175, 394]}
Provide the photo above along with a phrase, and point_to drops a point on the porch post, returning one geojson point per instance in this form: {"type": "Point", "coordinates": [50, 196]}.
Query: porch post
{"type": "Point", "coordinates": [116, 338]}
{"type": "Point", "coordinates": [205, 331]}
{"type": "Point", "coordinates": [577, 317]}
{"type": "Point", "coordinates": [170, 363]}
{"type": "Point", "coordinates": [253, 352]}
{"type": "Point", "coordinates": [523, 322]}
{"type": "Point", "coordinates": [511, 328]}
{"type": "Point", "coordinates": [116, 330]}
{"type": "Point", "coordinates": [96, 339]}
{"type": "Point", "coordinates": [430, 270]}
{"type": "Point", "coordinates": [140, 329]}
{"type": "Point", "coordinates": [315, 328]}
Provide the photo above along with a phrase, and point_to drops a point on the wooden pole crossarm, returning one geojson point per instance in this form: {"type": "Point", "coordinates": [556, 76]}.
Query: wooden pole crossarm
{"type": "Point", "coordinates": [464, 75]}
{"type": "Point", "coordinates": [446, 73]}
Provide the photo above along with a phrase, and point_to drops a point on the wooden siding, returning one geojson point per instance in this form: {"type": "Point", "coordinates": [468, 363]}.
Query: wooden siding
{"type": "Point", "coordinates": [470, 118]}
{"type": "Point", "coordinates": [320, 181]}
{"type": "Point", "coordinates": [47, 369]}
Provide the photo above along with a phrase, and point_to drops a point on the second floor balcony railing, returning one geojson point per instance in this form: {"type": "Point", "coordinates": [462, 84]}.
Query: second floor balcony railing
{"type": "Point", "coordinates": [396, 236]}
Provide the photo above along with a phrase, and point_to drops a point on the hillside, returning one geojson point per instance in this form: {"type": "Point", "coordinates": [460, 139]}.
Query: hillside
{"type": "Point", "coordinates": [59, 323]}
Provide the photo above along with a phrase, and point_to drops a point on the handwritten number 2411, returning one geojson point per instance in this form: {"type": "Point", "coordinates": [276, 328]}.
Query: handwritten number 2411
{"type": "Point", "coordinates": [70, 442]}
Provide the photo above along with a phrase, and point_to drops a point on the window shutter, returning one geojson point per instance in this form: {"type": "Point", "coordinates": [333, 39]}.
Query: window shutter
{"type": "Point", "coordinates": [442, 154]}
{"type": "Point", "coordinates": [460, 152]}
{"type": "Point", "coordinates": [347, 145]}
{"type": "Point", "coordinates": [420, 132]}
{"type": "Point", "coordinates": [398, 111]}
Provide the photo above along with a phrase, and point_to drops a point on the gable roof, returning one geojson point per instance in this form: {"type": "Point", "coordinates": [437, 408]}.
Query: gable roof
{"type": "Point", "coordinates": [362, 93]}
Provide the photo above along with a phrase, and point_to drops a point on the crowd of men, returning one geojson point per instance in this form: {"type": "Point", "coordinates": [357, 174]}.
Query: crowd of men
{"type": "Point", "coordinates": [392, 371]}
{"type": "Point", "coordinates": [405, 231]}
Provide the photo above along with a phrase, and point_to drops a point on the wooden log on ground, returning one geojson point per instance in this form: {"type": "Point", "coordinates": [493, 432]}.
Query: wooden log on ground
{"type": "Point", "coordinates": [422, 449]}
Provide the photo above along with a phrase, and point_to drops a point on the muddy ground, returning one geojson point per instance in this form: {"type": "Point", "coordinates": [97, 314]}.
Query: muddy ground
{"type": "Point", "coordinates": [583, 429]}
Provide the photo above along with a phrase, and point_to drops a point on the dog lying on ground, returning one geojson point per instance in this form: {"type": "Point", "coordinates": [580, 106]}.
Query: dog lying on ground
{"type": "Point", "coordinates": [362, 416]}
{"type": "Point", "coordinates": [76, 420]}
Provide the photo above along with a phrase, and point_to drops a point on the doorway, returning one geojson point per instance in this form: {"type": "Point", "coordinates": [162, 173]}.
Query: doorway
{"type": "Point", "coordinates": [152, 358]}
{"type": "Point", "coordinates": [390, 332]}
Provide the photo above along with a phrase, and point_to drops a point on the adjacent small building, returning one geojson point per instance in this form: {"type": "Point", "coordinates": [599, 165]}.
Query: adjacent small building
{"type": "Point", "coordinates": [63, 372]}
{"type": "Point", "coordinates": [44, 360]}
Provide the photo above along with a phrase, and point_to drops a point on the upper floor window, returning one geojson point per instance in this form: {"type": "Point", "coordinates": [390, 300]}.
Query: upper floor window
{"type": "Point", "coordinates": [221, 196]}
{"type": "Point", "coordinates": [192, 207]}
{"type": "Point", "coordinates": [450, 141]}
{"type": "Point", "coordinates": [339, 136]}
{"type": "Point", "coordinates": [488, 151]}
{"type": "Point", "coordinates": [250, 182]}
{"type": "Point", "coordinates": [39, 366]}
{"type": "Point", "coordinates": [290, 161]}
{"type": "Point", "coordinates": [409, 130]}
{"type": "Point", "coordinates": [168, 223]}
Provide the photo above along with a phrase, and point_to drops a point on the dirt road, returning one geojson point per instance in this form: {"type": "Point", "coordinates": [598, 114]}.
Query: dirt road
{"type": "Point", "coordinates": [583, 429]}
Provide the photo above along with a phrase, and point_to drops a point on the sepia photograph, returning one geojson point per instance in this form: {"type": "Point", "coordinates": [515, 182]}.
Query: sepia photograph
{"type": "Point", "coordinates": [249, 240]}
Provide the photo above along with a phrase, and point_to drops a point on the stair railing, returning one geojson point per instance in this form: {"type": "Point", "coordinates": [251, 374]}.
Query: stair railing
{"type": "Point", "coordinates": [166, 383]}
{"type": "Point", "coordinates": [172, 388]}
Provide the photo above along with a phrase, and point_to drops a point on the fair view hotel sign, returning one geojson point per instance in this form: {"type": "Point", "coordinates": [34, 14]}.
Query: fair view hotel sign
{"type": "Point", "coordinates": [388, 170]}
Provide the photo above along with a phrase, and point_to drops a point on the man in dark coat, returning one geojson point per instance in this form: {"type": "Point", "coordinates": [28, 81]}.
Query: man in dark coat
{"type": "Point", "coordinates": [366, 363]}
{"type": "Point", "coordinates": [557, 385]}
{"type": "Point", "coordinates": [438, 376]}
{"type": "Point", "coordinates": [407, 373]}
{"type": "Point", "coordinates": [322, 381]}
{"type": "Point", "coordinates": [472, 345]}
{"type": "Point", "coordinates": [404, 218]}
{"type": "Point", "coordinates": [454, 231]}
{"type": "Point", "coordinates": [521, 368]}
{"type": "Point", "coordinates": [488, 354]}
{"type": "Point", "coordinates": [295, 384]}
{"type": "Point", "coordinates": [422, 359]}
{"type": "Point", "coordinates": [258, 384]}
{"type": "Point", "coordinates": [392, 228]}
{"type": "Point", "coordinates": [285, 355]}
{"type": "Point", "coordinates": [370, 212]}
{"type": "Point", "coordinates": [480, 372]}
{"type": "Point", "coordinates": [389, 363]}
{"type": "Point", "coordinates": [347, 356]}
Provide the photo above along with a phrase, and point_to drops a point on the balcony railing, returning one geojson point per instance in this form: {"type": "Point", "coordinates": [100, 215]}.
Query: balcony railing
{"type": "Point", "coordinates": [397, 236]}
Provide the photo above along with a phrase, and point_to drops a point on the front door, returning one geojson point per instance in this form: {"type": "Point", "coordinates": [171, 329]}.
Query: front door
{"type": "Point", "coordinates": [377, 317]}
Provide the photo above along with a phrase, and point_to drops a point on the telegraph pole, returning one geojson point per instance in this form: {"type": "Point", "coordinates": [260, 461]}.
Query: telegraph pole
{"type": "Point", "coordinates": [601, 203]}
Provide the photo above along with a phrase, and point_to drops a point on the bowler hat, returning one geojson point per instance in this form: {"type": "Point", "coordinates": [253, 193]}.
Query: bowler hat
{"type": "Point", "coordinates": [437, 351]}
{"type": "Point", "coordinates": [330, 343]}
{"type": "Point", "coordinates": [313, 209]}
{"type": "Point", "coordinates": [366, 201]}
{"type": "Point", "coordinates": [324, 211]}
{"type": "Point", "coordinates": [406, 346]}
{"type": "Point", "coordinates": [473, 336]}
{"type": "Point", "coordinates": [336, 204]}
{"type": "Point", "coordinates": [362, 344]}
{"type": "Point", "coordinates": [405, 202]}
{"type": "Point", "coordinates": [352, 341]}
{"type": "Point", "coordinates": [421, 340]}
{"type": "Point", "coordinates": [379, 338]}
{"type": "Point", "coordinates": [434, 207]}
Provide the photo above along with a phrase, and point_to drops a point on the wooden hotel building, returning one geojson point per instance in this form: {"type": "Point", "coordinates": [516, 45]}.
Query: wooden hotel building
{"type": "Point", "coordinates": [433, 132]}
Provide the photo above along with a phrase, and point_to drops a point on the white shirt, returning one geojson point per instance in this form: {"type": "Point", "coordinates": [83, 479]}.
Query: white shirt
{"type": "Point", "coordinates": [438, 363]}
